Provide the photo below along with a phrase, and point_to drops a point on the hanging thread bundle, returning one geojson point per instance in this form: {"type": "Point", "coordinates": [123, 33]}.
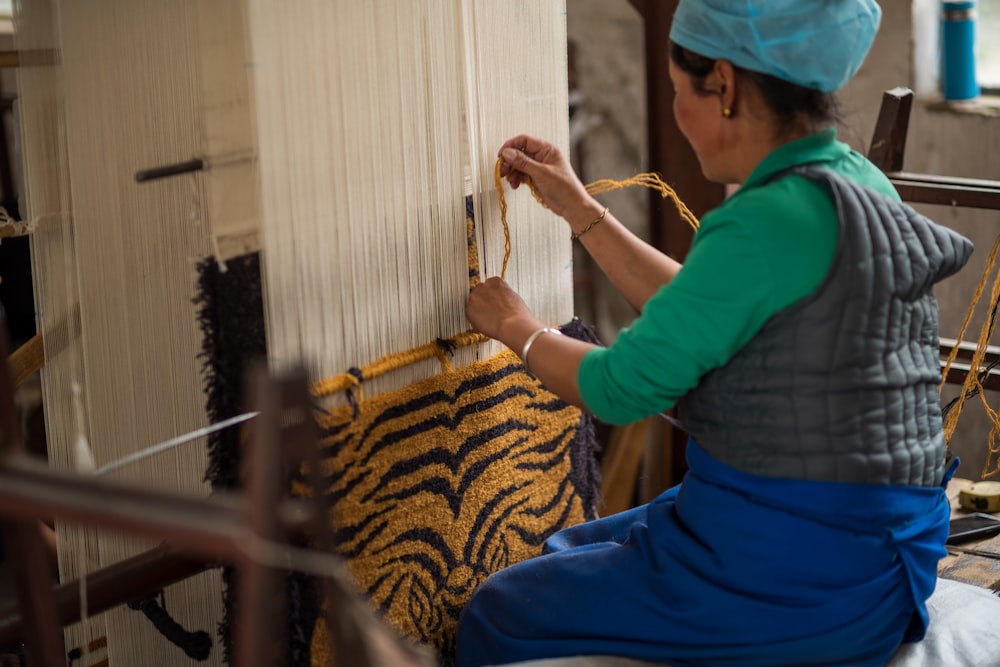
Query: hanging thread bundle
{"type": "Point", "coordinates": [647, 180]}
{"type": "Point", "coordinates": [973, 384]}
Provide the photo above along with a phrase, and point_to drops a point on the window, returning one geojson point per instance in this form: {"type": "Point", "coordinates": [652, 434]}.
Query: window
{"type": "Point", "coordinates": [988, 55]}
{"type": "Point", "coordinates": [926, 15]}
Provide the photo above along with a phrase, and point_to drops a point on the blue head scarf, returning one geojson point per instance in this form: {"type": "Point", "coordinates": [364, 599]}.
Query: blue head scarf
{"type": "Point", "coordinates": [818, 44]}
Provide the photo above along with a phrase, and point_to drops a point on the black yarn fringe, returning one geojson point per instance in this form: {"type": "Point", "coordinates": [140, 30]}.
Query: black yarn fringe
{"type": "Point", "coordinates": [231, 315]}
{"type": "Point", "coordinates": [584, 450]}
{"type": "Point", "coordinates": [303, 608]}
{"type": "Point", "coordinates": [230, 312]}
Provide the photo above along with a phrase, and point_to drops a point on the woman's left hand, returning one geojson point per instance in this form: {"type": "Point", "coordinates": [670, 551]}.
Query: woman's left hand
{"type": "Point", "coordinates": [493, 305]}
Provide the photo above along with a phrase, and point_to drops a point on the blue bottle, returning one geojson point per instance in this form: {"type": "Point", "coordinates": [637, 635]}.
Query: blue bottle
{"type": "Point", "coordinates": [958, 50]}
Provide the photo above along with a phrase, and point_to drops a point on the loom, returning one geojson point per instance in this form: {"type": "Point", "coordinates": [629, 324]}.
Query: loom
{"type": "Point", "coordinates": [338, 140]}
{"type": "Point", "coordinates": [208, 214]}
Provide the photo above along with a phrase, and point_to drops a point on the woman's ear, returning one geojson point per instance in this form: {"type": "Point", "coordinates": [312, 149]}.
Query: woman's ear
{"type": "Point", "coordinates": [722, 81]}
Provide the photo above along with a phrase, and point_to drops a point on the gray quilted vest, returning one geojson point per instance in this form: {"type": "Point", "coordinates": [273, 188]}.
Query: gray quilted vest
{"type": "Point", "coordinates": [842, 386]}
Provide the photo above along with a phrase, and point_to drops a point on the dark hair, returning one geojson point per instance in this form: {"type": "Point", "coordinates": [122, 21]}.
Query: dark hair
{"type": "Point", "coordinates": [786, 100]}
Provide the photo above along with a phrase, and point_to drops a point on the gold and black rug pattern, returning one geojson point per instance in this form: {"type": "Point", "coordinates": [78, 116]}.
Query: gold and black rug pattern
{"type": "Point", "coordinates": [434, 487]}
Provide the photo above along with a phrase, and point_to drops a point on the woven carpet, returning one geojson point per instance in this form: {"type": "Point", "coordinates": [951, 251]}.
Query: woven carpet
{"type": "Point", "coordinates": [434, 487]}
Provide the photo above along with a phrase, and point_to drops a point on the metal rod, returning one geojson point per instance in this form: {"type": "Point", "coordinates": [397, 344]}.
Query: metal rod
{"type": "Point", "coordinates": [167, 445]}
{"type": "Point", "coordinates": [156, 173]}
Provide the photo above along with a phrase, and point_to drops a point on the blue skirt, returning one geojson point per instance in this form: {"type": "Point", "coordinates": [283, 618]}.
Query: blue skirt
{"type": "Point", "coordinates": [727, 569]}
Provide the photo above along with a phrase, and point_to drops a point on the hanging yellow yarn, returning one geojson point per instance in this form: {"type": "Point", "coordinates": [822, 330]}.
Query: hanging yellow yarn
{"type": "Point", "coordinates": [973, 383]}
{"type": "Point", "coordinates": [647, 180]}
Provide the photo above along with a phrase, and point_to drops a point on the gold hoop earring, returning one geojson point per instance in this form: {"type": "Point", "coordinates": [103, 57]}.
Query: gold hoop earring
{"type": "Point", "coordinates": [727, 112]}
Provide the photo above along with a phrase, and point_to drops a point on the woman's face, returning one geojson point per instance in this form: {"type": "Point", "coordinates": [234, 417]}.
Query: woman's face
{"type": "Point", "coordinates": [698, 115]}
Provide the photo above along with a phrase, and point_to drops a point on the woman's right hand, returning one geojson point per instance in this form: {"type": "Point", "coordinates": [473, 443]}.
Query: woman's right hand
{"type": "Point", "coordinates": [525, 157]}
{"type": "Point", "coordinates": [493, 306]}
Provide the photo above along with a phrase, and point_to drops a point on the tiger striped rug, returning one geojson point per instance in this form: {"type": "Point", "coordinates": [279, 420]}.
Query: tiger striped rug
{"type": "Point", "coordinates": [435, 486]}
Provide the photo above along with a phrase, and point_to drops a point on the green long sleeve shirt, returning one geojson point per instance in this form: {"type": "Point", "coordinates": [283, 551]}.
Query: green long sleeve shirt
{"type": "Point", "coordinates": [766, 247]}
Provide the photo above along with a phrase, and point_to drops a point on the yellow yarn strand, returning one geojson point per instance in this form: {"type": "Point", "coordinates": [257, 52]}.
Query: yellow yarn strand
{"type": "Point", "coordinates": [498, 181]}
{"type": "Point", "coordinates": [392, 362]}
{"type": "Point", "coordinates": [972, 381]}
{"type": "Point", "coordinates": [990, 261]}
{"type": "Point", "coordinates": [646, 180]}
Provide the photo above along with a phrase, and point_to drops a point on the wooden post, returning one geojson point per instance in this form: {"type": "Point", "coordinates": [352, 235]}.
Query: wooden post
{"type": "Point", "coordinates": [29, 562]}
{"type": "Point", "coordinates": [889, 138]}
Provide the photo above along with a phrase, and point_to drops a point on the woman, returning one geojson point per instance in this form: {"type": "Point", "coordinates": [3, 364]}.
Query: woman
{"type": "Point", "coordinates": [799, 341]}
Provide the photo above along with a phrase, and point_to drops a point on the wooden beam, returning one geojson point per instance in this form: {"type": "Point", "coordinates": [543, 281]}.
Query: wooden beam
{"type": "Point", "coordinates": [889, 137]}
{"type": "Point", "coordinates": [27, 360]}
{"type": "Point", "coordinates": [260, 589]}
{"type": "Point", "coordinates": [27, 555]}
{"type": "Point", "coordinates": [212, 528]}
{"type": "Point", "coordinates": [29, 58]}
{"type": "Point", "coordinates": [961, 368]}
{"type": "Point", "coordinates": [107, 588]}
{"type": "Point", "coordinates": [947, 191]}
{"type": "Point", "coordinates": [888, 148]}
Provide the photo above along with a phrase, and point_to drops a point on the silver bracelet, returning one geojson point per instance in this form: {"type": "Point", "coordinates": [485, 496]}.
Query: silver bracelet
{"type": "Point", "coordinates": [531, 341]}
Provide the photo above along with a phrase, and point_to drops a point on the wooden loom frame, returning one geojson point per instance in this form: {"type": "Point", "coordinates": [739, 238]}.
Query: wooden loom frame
{"type": "Point", "coordinates": [197, 534]}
